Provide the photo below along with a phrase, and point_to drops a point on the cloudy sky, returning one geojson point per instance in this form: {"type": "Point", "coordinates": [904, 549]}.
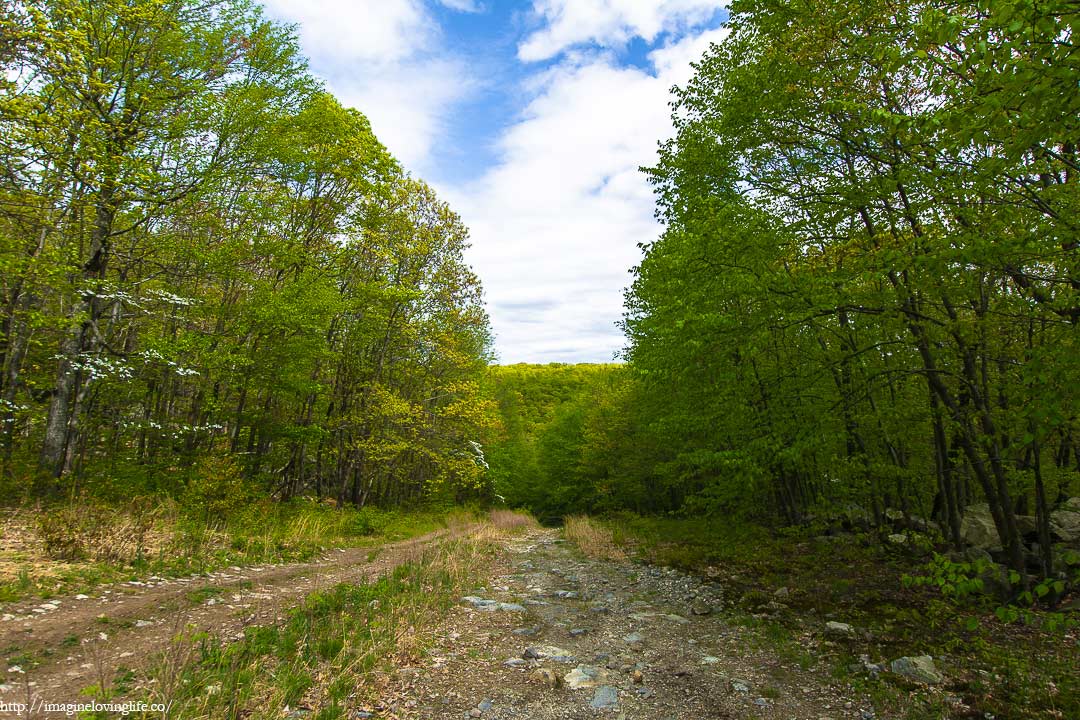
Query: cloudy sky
{"type": "Point", "coordinates": [531, 118]}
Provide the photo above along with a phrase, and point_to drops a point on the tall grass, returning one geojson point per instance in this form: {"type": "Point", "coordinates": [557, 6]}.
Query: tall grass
{"type": "Point", "coordinates": [71, 547]}
{"type": "Point", "coordinates": [593, 537]}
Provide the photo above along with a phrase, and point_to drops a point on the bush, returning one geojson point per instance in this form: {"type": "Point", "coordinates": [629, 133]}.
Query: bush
{"type": "Point", "coordinates": [217, 491]}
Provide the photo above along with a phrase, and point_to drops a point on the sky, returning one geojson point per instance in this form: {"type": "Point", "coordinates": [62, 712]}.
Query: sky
{"type": "Point", "coordinates": [531, 118]}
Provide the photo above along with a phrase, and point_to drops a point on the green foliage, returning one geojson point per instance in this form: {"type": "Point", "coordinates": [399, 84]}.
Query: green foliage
{"type": "Point", "coordinates": [211, 271]}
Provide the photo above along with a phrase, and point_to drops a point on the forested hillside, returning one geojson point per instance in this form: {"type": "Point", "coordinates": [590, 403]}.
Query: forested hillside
{"type": "Point", "coordinates": [865, 299]}
{"type": "Point", "coordinates": [214, 278]}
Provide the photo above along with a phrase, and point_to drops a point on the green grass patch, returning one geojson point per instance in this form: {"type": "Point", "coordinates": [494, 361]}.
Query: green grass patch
{"type": "Point", "coordinates": [323, 652]}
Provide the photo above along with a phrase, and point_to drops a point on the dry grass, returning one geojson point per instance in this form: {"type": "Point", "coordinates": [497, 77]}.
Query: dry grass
{"type": "Point", "coordinates": [592, 538]}
{"type": "Point", "coordinates": [500, 524]}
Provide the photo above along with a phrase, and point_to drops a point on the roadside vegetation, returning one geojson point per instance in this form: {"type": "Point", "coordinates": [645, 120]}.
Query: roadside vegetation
{"type": "Point", "coordinates": [326, 657]}
{"type": "Point", "coordinates": [790, 583]}
{"type": "Point", "coordinates": [72, 548]}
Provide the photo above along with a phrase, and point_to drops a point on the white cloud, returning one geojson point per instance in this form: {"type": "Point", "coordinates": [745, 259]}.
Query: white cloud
{"type": "Point", "coordinates": [383, 57]}
{"type": "Point", "coordinates": [469, 6]}
{"type": "Point", "coordinates": [556, 222]}
{"type": "Point", "coordinates": [609, 23]}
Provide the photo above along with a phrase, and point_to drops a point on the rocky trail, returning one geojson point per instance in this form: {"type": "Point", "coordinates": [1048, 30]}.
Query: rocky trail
{"type": "Point", "coordinates": [70, 643]}
{"type": "Point", "coordinates": [555, 635]}
{"type": "Point", "coordinates": [548, 634]}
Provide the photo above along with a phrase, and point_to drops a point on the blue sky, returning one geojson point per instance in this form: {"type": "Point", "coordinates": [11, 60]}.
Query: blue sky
{"type": "Point", "coordinates": [531, 118]}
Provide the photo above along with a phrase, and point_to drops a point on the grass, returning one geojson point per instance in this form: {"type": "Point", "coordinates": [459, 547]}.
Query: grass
{"type": "Point", "coordinates": [1009, 671]}
{"type": "Point", "coordinates": [73, 548]}
{"type": "Point", "coordinates": [594, 539]}
{"type": "Point", "coordinates": [324, 655]}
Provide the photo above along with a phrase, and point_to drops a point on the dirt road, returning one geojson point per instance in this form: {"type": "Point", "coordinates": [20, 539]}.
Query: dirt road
{"type": "Point", "coordinates": [57, 648]}
{"type": "Point", "coordinates": [555, 635]}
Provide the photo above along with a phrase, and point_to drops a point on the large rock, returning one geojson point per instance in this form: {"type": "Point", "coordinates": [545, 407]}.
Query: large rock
{"type": "Point", "coordinates": [1065, 523]}
{"type": "Point", "coordinates": [920, 668]}
{"type": "Point", "coordinates": [977, 528]}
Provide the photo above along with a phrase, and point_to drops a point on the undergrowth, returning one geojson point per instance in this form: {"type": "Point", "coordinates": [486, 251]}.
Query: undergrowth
{"type": "Point", "coordinates": [788, 582]}
{"type": "Point", "coordinates": [74, 547]}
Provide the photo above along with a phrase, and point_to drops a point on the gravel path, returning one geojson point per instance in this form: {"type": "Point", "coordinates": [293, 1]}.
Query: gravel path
{"type": "Point", "coordinates": [554, 635]}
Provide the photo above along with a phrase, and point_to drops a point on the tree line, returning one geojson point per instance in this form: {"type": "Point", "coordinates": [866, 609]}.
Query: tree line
{"type": "Point", "coordinates": [209, 267]}
{"type": "Point", "coordinates": [866, 295]}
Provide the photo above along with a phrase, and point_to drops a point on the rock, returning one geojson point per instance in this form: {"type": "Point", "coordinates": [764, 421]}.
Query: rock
{"type": "Point", "coordinates": [545, 676]}
{"type": "Point", "coordinates": [709, 660]}
{"type": "Point", "coordinates": [897, 539]}
{"type": "Point", "coordinates": [584, 676]}
{"type": "Point", "coordinates": [528, 632]}
{"type": "Point", "coordinates": [971, 556]}
{"type": "Point", "coordinates": [740, 686]}
{"type": "Point", "coordinates": [700, 607]}
{"type": "Point", "coordinates": [479, 603]}
{"type": "Point", "coordinates": [633, 638]}
{"type": "Point", "coordinates": [839, 629]}
{"type": "Point", "coordinates": [894, 516]}
{"type": "Point", "coordinates": [1066, 523]}
{"type": "Point", "coordinates": [475, 713]}
{"type": "Point", "coordinates": [995, 580]}
{"type": "Point", "coordinates": [1025, 525]}
{"type": "Point", "coordinates": [604, 698]}
{"type": "Point", "coordinates": [515, 662]}
{"type": "Point", "coordinates": [547, 651]}
{"type": "Point", "coordinates": [577, 632]}
{"type": "Point", "coordinates": [977, 528]}
{"type": "Point", "coordinates": [637, 677]}
{"type": "Point", "coordinates": [485, 705]}
{"type": "Point", "coordinates": [781, 592]}
{"type": "Point", "coordinates": [1072, 504]}
{"type": "Point", "coordinates": [491, 605]}
{"type": "Point", "coordinates": [641, 617]}
{"type": "Point", "coordinates": [920, 668]}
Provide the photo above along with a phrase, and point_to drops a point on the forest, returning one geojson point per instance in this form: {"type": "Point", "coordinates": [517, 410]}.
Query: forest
{"type": "Point", "coordinates": [215, 280]}
{"type": "Point", "coordinates": [236, 330]}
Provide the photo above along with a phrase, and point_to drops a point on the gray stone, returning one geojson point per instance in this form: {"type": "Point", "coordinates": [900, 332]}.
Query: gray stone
{"type": "Point", "coordinates": [549, 652]}
{"type": "Point", "coordinates": [633, 638]}
{"type": "Point", "coordinates": [584, 676]}
{"type": "Point", "coordinates": [528, 632]}
{"type": "Point", "coordinates": [740, 686]}
{"type": "Point", "coordinates": [515, 662]}
{"type": "Point", "coordinates": [782, 592]}
{"type": "Point", "coordinates": [700, 607]}
{"type": "Point", "coordinates": [485, 705]}
{"type": "Point", "coordinates": [577, 632]}
{"type": "Point", "coordinates": [920, 668]}
{"type": "Point", "coordinates": [604, 698]}
{"type": "Point", "coordinates": [977, 528]}
{"type": "Point", "coordinates": [897, 539]}
{"type": "Point", "coordinates": [839, 629]}
{"type": "Point", "coordinates": [1065, 523]}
